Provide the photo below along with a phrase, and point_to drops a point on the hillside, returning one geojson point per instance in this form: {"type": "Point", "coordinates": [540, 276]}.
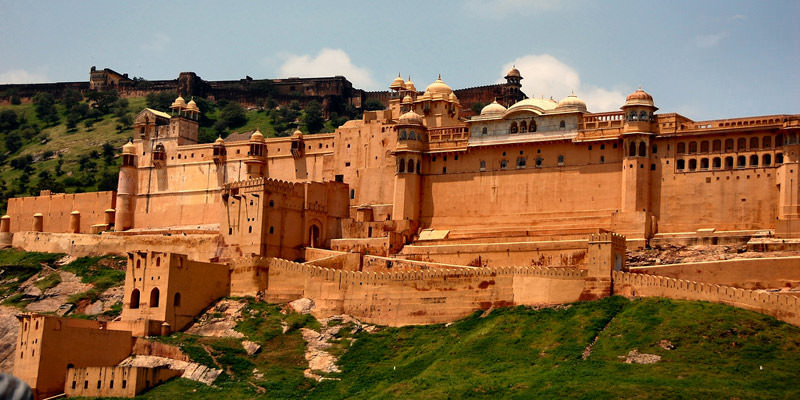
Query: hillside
{"type": "Point", "coordinates": [72, 144]}
{"type": "Point", "coordinates": [706, 350]}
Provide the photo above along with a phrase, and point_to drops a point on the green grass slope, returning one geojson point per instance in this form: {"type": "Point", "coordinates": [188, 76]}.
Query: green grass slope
{"type": "Point", "coordinates": [720, 352]}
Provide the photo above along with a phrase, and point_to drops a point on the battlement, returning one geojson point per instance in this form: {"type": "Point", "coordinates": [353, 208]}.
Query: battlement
{"type": "Point", "coordinates": [607, 237]}
{"type": "Point", "coordinates": [781, 306]}
{"type": "Point", "coordinates": [270, 184]}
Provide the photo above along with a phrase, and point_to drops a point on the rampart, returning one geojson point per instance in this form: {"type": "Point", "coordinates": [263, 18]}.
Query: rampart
{"type": "Point", "coordinates": [332, 259]}
{"type": "Point", "coordinates": [422, 297]}
{"type": "Point", "coordinates": [783, 307]}
{"type": "Point", "coordinates": [56, 210]}
{"type": "Point", "coordinates": [564, 253]}
{"type": "Point", "coordinates": [749, 273]}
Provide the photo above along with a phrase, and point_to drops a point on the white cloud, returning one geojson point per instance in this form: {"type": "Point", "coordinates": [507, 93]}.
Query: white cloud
{"type": "Point", "coordinates": [22, 76]}
{"type": "Point", "coordinates": [501, 8]}
{"type": "Point", "coordinates": [328, 62]}
{"type": "Point", "coordinates": [710, 40]}
{"type": "Point", "coordinates": [545, 76]}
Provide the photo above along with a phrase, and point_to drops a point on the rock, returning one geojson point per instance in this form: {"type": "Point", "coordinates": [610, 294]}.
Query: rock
{"type": "Point", "coordinates": [53, 298]}
{"type": "Point", "coordinates": [251, 347]}
{"type": "Point", "coordinates": [211, 324]}
{"type": "Point", "coordinates": [94, 308]}
{"type": "Point", "coordinates": [65, 309]}
{"type": "Point", "coordinates": [666, 344]}
{"type": "Point", "coordinates": [634, 357]}
{"type": "Point", "coordinates": [193, 371]}
{"type": "Point", "coordinates": [9, 328]}
{"type": "Point", "coordinates": [257, 374]}
{"type": "Point", "coordinates": [302, 306]}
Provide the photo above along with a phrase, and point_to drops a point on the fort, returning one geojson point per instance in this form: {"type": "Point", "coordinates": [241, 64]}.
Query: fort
{"type": "Point", "coordinates": [414, 214]}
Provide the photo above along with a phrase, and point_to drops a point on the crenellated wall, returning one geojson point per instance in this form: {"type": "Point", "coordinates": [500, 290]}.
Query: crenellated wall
{"type": "Point", "coordinates": [781, 306]}
{"type": "Point", "coordinates": [748, 273]}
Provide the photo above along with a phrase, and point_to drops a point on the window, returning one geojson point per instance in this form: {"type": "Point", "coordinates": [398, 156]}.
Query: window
{"type": "Point", "coordinates": [692, 147]}
{"type": "Point", "coordinates": [111, 384]}
{"type": "Point", "coordinates": [410, 166]}
{"type": "Point", "coordinates": [602, 159]}
{"type": "Point", "coordinates": [754, 160]}
{"type": "Point", "coordinates": [532, 126]}
{"type": "Point", "coordinates": [561, 159]}
{"type": "Point", "coordinates": [402, 135]}
{"type": "Point", "coordinates": [716, 145]}
{"type": "Point", "coordinates": [484, 131]}
{"type": "Point", "coordinates": [124, 383]}
{"type": "Point", "coordinates": [642, 149]}
{"type": "Point", "coordinates": [483, 165]}
{"type": "Point", "coordinates": [741, 162]}
{"type": "Point", "coordinates": [728, 162]}
{"type": "Point", "coordinates": [503, 164]}
{"type": "Point", "coordinates": [692, 164]}
{"type": "Point", "coordinates": [680, 165]}
{"type": "Point", "coordinates": [681, 148]}
{"type": "Point", "coordinates": [250, 229]}
{"type": "Point", "coordinates": [778, 143]}
{"type": "Point", "coordinates": [602, 147]}
{"type": "Point", "coordinates": [154, 294]}
{"type": "Point", "coordinates": [716, 163]}
{"type": "Point", "coordinates": [98, 384]}
{"type": "Point", "coordinates": [401, 167]}
{"type": "Point", "coordinates": [766, 160]}
{"type": "Point", "coordinates": [704, 146]}
{"type": "Point", "coordinates": [523, 127]}
{"type": "Point", "coordinates": [271, 230]}
{"type": "Point", "coordinates": [704, 164]}
{"type": "Point", "coordinates": [632, 150]}
{"type": "Point", "coordinates": [643, 116]}
{"type": "Point", "coordinates": [562, 124]}
{"type": "Point", "coordinates": [753, 143]}
{"type": "Point", "coordinates": [513, 128]}
{"type": "Point", "coordinates": [728, 144]}
{"type": "Point", "coordinates": [176, 300]}
{"type": "Point", "coordinates": [158, 260]}
{"type": "Point", "coordinates": [85, 384]}
{"type": "Point", "coordinates": [135, 298]}
{"type": "Point", "coordinates": [521, 162]}
{"type": "Point", "coordinates": [539, 162]}
{"type": "Point", "coordinates": [779, 158]}
{"type": "Point", "coordinates": [418, 167]}
{"type": "Point", "coordinates": [741, 144]}
{"type": "Point", "coordinates": [655, 149]}
{"type": "Point", "coordinates": [352, 194]}
{"type": "Point", "coordinates": [444, 170]}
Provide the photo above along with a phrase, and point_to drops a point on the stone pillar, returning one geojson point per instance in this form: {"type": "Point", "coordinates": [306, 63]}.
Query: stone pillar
{"type": "Point", "coordinates": [5, 224]}
{"type": "Point", "coordinates": [75, 222]}
{"type": "Point", "coordinates": [38, 222]}
{"type": "Point", "coordinates": [5, 232]}
{"type": "Point", "coordinates": [109, 217]}
{"type": "Point", "coordinates": [165, 329]}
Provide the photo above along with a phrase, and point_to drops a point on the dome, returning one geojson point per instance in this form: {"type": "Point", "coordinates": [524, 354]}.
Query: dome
{"type": "Point", "coordinates": [407, 100]}
{"type": "Point", "coordinates": [410, 85]}
{"type": "Point", "coordinates": [572, 101]}
{"type": "Point", "coordinates": [513, 73]}
{"type": "Point", "coordinates": [438, 87]}
{"type": "Point", "coordinates": [397, 83]}
{"type": "Point", "coordinates": [178, 103]}
{"type": "Point", "coordinates": [219, 140]}
{"type": "Point", "coordinates": [639, 98]}
{"type": "Point", "coordinates": [453, 97]}
{"type": "Point", "coordinates": [192, 106]}
{"type": "Point", "coordinates": [543, 104]}
{"type": "Point", "coordinates": [493, 109]}
{"type": "Point", "coordinates": [411, 118]}
{"type": "Point", "coordinates": [129, 148]}
{"type": "Point", "coordinates": [257, 136]}
{"type": "Point", "coordinates": [297, 133]}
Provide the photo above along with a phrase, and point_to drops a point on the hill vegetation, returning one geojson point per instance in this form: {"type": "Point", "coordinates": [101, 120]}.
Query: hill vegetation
{"type": "Point", "coordinates": [707, 351]}
{"type": "Point", "coordinates": [72, 144]}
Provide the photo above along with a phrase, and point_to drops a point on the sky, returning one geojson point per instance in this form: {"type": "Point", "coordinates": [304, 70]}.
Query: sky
{"type": "Point", "coordinates": [702, 59]}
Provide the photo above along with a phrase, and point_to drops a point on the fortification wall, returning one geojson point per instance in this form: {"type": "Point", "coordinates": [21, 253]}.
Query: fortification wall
{"type": "Point", "coordinates": [56, 210]}
{"type": "Point", "coordinates": [422, 297]}
{"type": "Point", "coordinates": [196, 247]}
{"type": "Point", "coordinates": [565, 253]}
{"type": "Point", "coordinates": [783, 307]}
{"type": "Point", "coordinates": [386, 264]}
{"type": "Point", "coordinates": [333, 259]}
{"type": "Point", "coordinates": [751, 273]}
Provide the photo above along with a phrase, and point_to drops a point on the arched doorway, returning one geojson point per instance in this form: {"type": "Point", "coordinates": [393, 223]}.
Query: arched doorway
{"type": "Point", "coordinates": [313, 236]}
{"type": "Point", "coordinates": [154, 294]}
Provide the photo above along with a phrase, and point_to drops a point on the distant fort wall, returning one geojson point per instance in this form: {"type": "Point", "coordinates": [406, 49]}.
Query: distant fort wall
{"type": "Point", "coordinates": [781, 306]}
{"type": "Point", "coordinates": [564, 253]}
{"type": "Point", "coordinates": [749, 273]}
{"type": "Point", "coordinates": [56, 211]}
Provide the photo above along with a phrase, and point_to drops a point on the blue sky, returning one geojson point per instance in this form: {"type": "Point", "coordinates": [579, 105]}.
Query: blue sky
{"type": "Point", "coordinates": [703, 59]}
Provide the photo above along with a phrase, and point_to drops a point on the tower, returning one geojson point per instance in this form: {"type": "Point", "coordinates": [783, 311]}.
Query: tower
{"type": "Point", "coordinates": [637, 133]}
{"type": "Point", "coordinates": [788, 179]}
{"type": "Point", "coordinates": [126, 188]}
{"type": "Point", "coordinates": [183, 124]}
{"type": "Point", "coordinates": [410, 132]}
{"type": "Point", "coordinates": [512, 91]}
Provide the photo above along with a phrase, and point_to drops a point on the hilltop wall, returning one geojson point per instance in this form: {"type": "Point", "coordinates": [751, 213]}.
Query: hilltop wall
{"type": "Point", "coordinates": [56, 210]}
{"type": "Point", "coordinates": [424, 297]}
{"type": "Point", "coordinates": [750, 273]}
{"type": "Point", "coordinates": [781, 306]}
{"type": "Point", "coordinates": [564, 253]}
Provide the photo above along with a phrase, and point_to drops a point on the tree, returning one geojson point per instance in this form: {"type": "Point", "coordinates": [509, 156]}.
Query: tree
{"type": "Point", "coordinates": [8, 121]}
{"type": "Point", "coordinates": [70, 98]}
{"type": "Point", "coordinates": [59, 165]}
{"type": "Point", "coordinates": [108, 181]}
{"type": "Point", "coordinates": [372, 105]}
{"type": "Point", "coordinates": [108, 153]}
{"type": "Point", "coordinates": [477, 107]}
{"type": "Point", "coordinates": [13, 142]}
{"type": "Point", "coordinates": [312, 117]}
{"type": "Point", "coordinates": [161, 100]}
{"type": "Point", "coordinates": [231, 116]}
{"type": "Point", "coordinates": [120, 107]}
{"type": "Point", "coordinates": [102, 101]}
{"type": "Point", "coordinates": [46, 107]}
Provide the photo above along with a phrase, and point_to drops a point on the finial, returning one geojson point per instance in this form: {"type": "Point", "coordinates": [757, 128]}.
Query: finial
{"type": "Point", "coordinates": [398, 75]}
{"type": "Point", "coordinates": [440, 76]}
{"type": "Point", "coordinates": [640, 87]}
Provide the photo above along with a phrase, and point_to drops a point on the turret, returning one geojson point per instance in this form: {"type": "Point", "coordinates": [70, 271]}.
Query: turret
{"type": "Point", "coordinates": [183, 125]}
{"type": "Point", "coordinates": [637, 133]}
{"type": "Point", "coordinates": [126, 188]}
{"type": "Point", "coordinates": [256, 156]}
{"type": "Point", "coordinates": [219, 152]}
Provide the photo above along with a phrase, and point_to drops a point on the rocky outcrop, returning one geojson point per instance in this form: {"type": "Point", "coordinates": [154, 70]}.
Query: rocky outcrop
{"type": "Point", "coordinates": [219, 320]}
{"type": "Point", "coordinates": [9, 327]}
{"type": "Point", "coordinates": [193, 371]}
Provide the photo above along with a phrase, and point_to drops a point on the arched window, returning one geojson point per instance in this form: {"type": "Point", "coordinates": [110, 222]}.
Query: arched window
{"type": "Point", "coordinates": [716, 163]}
{"type": "Point", "coordinates": [741, 144]}
{"type": "Point", "coordinates": [692, 147]}
{"type": "Point", "coordinates": [766, 142]}
{"type": "Point", "coordinates": [138, 263]}
{"type": "Point", "coordinates": [503, 164]}
{"type": "Point", "coordinates": [643, 116]}
{"type": "Point", "coordinates": [632, 116]}
{"type": "Point", "coordinates": [716, 145]}
{"type": "Point", "coordinates": [741, 162]}
{"type": "Point", "coordinates": [484, 131]}
{"type": "Point", "coordinates": [632, 149]}
{"type": "Point", "coordinates": [753, 143]}
{"type": "Point", "coordinates": [561, 159]}
{"type": "Point", "coordinates": [532, 126]}
{"type": "Point", "coordinates": [704, 163]}
{"type": "Point", "coordinates": [728, 162]}
{"type": "Point", "coordinates": [681, 164]}
{"type": "Point", "coordinates": [778, 143]}
{"type": "Point", "coordinates": [642, 149]}
{"type": "Point", "coordinates": [412, 135]}
{"type": "Point", "coordinates": [728, 144]}
{"type": "Point", "coordinates": [779, 158]}
{"type": "Point", "coordinates": [692, 164]}
{"type": "Point", "coordinates": [523, 127]}
{"type": "Point", "coordinates": [154, 294]}
{"type": "Point", "coordinates": [681, 148]}
{"type": "Point", "coordinates": [521, 162]}
{"type": "Point", "coordinates": [418, 167]}
{"type": "Point", "coordinates": [766, 160]}
{"type": "Point", "coordinates": [402, 166]}
{"type": "Point", "coordinates": [158, 261]}
{"type": "Point", "coordinates": [754, 160]}
{"type": "Point", "coordinates": [539, 162]}
{"type": "Point", "coordinates": [176, 300]}
{"type": "Point", "coordinates": [403, 134]}
{"type": "Point", "coordinates": [513, 128]}
{"type": "Point", "coordinates": [483, 165]}
{"type": "Point", "coordinates": [655, 149]}
{"type": "Point", "coordinates": [562, 124]}
{"type": "Point", "coordinates": [411, 166]}
{"type": "Point", "coordinates": [704, 146]}
{"type": "Point", "coordinates": [135, 298]}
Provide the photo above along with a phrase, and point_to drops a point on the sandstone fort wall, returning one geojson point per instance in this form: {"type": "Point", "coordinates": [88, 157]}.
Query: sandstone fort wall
{"type": "Point", "coordinates": [751, 273]}
{"type": "Point", "coordinates": [56, 210]}
{"type": "Point", "coordinates": [783, 307]}
{"type": "Point", "coordinates": [567, 253]}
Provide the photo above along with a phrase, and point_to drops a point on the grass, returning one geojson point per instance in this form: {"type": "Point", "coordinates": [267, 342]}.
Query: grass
{"type": "Point", "coordinates": [520, 353]}
{"type": "Point", "coordinates": [101, 272]}
{"type": "Point", "coordinates": [49, 281]}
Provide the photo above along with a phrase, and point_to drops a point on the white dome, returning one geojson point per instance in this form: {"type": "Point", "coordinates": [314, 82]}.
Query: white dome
{"type": "Point", "coordinates": [494, 108]}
